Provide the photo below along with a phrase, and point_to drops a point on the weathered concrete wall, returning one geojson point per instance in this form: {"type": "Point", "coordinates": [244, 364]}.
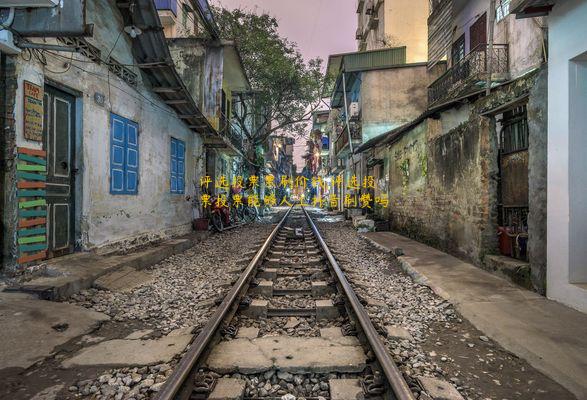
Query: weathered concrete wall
{"type": "Point", "coordinates": [443, 177]}
{"type": "Point", "coordinates": [525, 40]}
{"type": "Point", "coordinates": [189, 56]}
{"type": "Point", "coordinates": [537, 109]}
{"type": "Point", "coordinates": [441, 188]}
{"type": "Point", "coordinates": [105, 219]}
{"type": "Point", "coordinates": [382, 112]}
{"type": "Point", "coordinates": [201, 67]}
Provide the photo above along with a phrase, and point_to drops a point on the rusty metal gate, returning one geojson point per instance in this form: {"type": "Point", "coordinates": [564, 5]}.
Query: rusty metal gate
{"type": "Point", "coordinates": [513, 190]}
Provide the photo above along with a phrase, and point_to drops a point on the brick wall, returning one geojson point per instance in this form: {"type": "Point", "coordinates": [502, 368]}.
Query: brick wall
{"type": "Point", "coordinates": [8, 88]}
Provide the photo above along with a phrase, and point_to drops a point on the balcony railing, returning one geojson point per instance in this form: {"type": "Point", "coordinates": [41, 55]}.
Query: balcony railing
{"type": "Point", "coordinates": [230, 133]}
{"type": "Point", "coordinates": [341, 145]}
{"type": "Point", "coordinates": [170, 5]}
{"type": "Point", "coordinates": [470, 74]}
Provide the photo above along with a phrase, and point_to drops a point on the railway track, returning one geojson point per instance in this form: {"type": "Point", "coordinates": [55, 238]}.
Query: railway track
{"type": "Point", "coordinates": [290, 326]}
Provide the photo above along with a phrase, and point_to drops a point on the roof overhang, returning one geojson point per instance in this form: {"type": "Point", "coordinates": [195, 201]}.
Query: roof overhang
{"type": "Point", "coordinates": [531, 8]}
{"type": "Point", "coordinates": [235, 76]}
{"type": "Point", "coordinates": [152, 55]}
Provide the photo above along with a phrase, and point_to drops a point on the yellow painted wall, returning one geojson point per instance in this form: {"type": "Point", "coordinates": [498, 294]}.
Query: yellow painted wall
{"type": "Point", "coordinates": [406, 24]}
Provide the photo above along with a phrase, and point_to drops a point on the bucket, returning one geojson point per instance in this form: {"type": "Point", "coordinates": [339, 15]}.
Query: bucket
{"type": "Point", "coordinates": [200, 224]}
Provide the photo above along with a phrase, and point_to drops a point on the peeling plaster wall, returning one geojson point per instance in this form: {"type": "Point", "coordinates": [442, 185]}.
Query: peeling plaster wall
{"type": "Point", "coordinates": [105, 219]}
{"type": "Point", "coordinates": [382, 112]}
{"type": "Point", "coordinates": [443, 177]}
{"type": "Point", "coordinates": [537, 180]}
{"type": "Point", "coordinates": [202, 68]}
{"type": "Point", "coordinates": [525, 42]}
{"type": "Point", "coordinates": [440, 185]}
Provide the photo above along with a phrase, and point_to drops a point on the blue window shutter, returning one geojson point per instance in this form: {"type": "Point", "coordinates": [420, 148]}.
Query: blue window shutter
{"type": "Point", "coordinates": [132, 158]}
{"type": "Point", "coordinates": [117, 150]}
{"type": "Point", "coordinates": [124, 156]}
{"type": "Point", "coordinates": [173, 165]}
{"type": "Point", "coordinates": [180, 166]}
{"type": "Point", "coordinates": [177, 169]}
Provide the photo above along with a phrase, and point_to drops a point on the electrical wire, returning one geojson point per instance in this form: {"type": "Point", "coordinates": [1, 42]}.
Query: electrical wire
{"type": "Point", "coordinates": [138, 98]}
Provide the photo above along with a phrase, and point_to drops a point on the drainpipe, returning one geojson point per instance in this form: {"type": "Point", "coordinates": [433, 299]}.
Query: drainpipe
{"type": "Point", "coordinates": [346, 113]}
{"type": "Point", "coordinates": [490, 45]}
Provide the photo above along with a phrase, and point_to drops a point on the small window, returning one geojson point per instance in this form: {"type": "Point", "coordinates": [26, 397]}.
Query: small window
{"type": "Point", "coordinates": [124, 155]}
{"type": "Point", "coordinates": [458, 50]}
{"type": "Point", "coordinates": [502, 9]}
{"type": "Point", "coordinates": [177, 166]}
{"type": "Point", "coordinates": [514, 130]}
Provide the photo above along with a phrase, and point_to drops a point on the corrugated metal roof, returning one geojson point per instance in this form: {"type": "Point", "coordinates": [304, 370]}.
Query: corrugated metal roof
{"type": "Point", "coordinates": [361, 61]}
{"type": "Point", "coordinates": [377, 59]}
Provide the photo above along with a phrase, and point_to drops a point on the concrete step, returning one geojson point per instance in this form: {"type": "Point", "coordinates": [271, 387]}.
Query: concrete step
{"type": "Point", "coordinates": [228, 389]}
{"type": "Point", "coordinates": [78, 271]}
{"type": "Point", "coordinates": [286, 353]}
{"type": "Point", "coordinates": [346, 389]}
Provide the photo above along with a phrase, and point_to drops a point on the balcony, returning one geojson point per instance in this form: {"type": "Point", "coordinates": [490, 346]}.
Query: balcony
{"type": "Point", "coordinates": [470, 74]}
{"type": "Point", "coordinates": [228, 132]}
{"type": "Point", "coordinates": [167, 11]}
{"type": "Point", "coordinates": [341, 145]}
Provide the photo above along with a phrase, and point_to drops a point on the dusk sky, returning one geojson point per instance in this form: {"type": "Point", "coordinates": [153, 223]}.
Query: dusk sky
{"type": "Point", "coordinates": [319, 27]}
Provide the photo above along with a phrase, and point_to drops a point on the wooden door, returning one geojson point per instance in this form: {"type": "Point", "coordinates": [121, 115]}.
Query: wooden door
{"type": "Point", "coordinates": [59, 140]}
{"type": "Point", "coordinates": [478, 33]}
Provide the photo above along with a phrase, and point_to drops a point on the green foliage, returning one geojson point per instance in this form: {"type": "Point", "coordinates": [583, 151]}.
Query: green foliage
{"type": "Point", "coordinates": [286, 89]}
{"type": "Point", "coordinates": [424, 165]}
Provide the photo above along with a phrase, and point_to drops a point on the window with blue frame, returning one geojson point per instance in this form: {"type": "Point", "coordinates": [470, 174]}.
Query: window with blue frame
{"type": "Point", "coordinates": [177, 166]}
{"type": "Point", "coordinates": [124, 155]}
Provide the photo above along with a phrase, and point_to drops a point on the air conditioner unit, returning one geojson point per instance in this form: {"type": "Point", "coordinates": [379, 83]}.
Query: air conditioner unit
{"type": "Point", "coordinates": [6, 39]}
{"type": "Point", "coordinates": [28, 3]}
{"type": "Point", "coordinates": [354, 110]}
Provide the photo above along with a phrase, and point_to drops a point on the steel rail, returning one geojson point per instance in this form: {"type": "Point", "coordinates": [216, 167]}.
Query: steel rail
{"type": "Point", "coordinates": [394, 377]}
{"type": "Point", "coordinates": [183, 370]}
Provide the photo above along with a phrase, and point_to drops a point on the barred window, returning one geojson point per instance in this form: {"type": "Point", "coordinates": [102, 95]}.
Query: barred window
{"type": "Point", "coordinates": [514, 130]}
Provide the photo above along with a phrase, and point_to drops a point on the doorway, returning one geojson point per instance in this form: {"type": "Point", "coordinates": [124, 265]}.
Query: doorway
{"type": "Point", "coordinates": [59, 143]}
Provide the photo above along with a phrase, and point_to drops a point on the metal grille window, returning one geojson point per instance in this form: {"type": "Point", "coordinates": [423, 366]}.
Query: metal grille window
{"type": "Point", "coordinates": [514, 130]}
{"type": "Point", "coordinates": [502, 9]}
